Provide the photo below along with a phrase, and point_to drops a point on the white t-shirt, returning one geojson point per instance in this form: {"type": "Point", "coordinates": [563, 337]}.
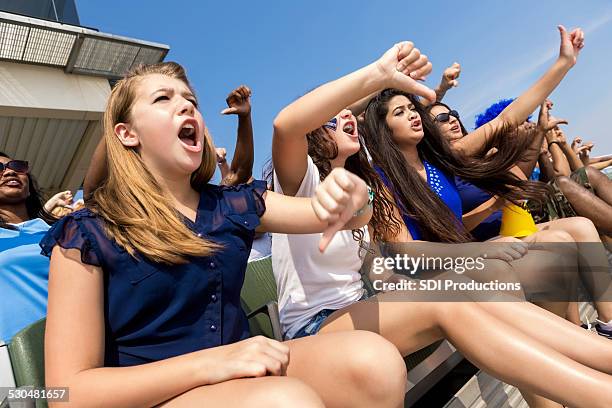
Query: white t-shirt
{"type": "Point", "coordinates": [307, 280]}
{"type": "Point", "coordinates": [261, 248]}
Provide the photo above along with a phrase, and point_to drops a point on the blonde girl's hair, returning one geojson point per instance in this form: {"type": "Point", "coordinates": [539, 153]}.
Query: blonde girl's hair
{"type": "Point", "coordinates": [137, 212]}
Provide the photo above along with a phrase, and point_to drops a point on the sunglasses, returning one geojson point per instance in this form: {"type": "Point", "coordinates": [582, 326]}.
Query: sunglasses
{"type": "Point", "coordinates": [445, 117]}
{"type": "Point", "coordinates": [19, 166]}
{"type": "Point", "coordinates": [331, 124]}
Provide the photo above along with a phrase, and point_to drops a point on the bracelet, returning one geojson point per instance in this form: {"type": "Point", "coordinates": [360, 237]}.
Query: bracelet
{"type": "Point", "coordinates": [555, 141]}
{"type": "Point", "coordinates": [367, 205]}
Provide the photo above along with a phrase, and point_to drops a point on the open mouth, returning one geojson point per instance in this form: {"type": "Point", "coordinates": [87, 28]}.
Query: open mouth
{"type": "Point", "coordinates": [12, 182]}
{"type": "Point", "coordinates": [188, 135]}
{"type": "Point", "coordinates": [416, 124]}
{"type": "Point", "coordinates": [349, 128]}
{"type": "Point", "coordinates": [455, 128]}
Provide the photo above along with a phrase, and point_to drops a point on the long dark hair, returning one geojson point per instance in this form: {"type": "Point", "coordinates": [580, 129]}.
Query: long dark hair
{"type": "Point", "coordinates": [415, 197]}
{"type": "Point", "coordinates": [34, 202]}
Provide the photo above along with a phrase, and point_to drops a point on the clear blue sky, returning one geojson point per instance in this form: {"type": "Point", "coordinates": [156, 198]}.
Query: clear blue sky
{"type": "Point", "coordinates": [282, 49]}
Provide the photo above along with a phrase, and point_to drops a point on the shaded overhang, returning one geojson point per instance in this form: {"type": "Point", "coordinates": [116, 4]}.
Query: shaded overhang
{"type": "Point", "coordinates": [77, 50]}
{"type": "Point", "coordinates": [54, 84]}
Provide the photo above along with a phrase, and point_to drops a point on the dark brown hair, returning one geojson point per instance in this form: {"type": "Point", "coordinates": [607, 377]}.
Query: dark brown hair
{"type": "Point", "coordinates": [416, 199]}
{"type": "Point", "coordinates": [34, 203]}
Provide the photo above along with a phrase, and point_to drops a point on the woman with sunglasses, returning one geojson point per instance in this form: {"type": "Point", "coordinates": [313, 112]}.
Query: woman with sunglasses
{"type": "Point", "coordinates": [23, 270]}
{"type": "Point", "coordinates": [513, 331]}
{"type": "Point", "coordinates": [580, 229]}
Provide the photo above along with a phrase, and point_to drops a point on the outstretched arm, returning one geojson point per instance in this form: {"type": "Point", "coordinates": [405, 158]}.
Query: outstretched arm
{"type": "Point", "coordinates": [545, 124]}
{"type": "Point", "coordinates": [396, 68]}
{"type": "Point", "coordinates": [601, 164]}
{"type": "Point", "coordinates": [450, 79]}
{"type": "Point", "coordinates": [518, 111]}
{"type": "Point", "coordinates": [97, 171]}
{"type": "Point", "coordinates": [340, 202]}
{"type": "Point", "coordinates": [559, 159]}
{"type": "Point", "coordinates": [239, 103]}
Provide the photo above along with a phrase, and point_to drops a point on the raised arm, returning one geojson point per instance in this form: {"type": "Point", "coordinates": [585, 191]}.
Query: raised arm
{"type": "Point", "coordinates": [396, 68]}
{"type": "Point", "coordinates": [97, 171]}
{"type": "Point", "coordinates": [518, 111]}
{"type": "Point", "coordinates": [545, 124]}
{"type": "Point", "coordinates": [600, 165]}
{"type": "Point", "coordinates": [547, 172]}
{"type": "Point", "coordinates": [224, 168]}
{"type": "Point", "coordinates": [239, 103]}
{"type": "Point", "coordinates": [560, 163]}
{"type": "Point", "coordinates": [573, 159]}
{"type": "Point", "coordinates": [450, 79]}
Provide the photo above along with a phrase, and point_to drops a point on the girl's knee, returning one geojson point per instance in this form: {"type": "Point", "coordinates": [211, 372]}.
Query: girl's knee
{"type": "Point", "coordinates": [376, 366]}
{"type": "Point", "coordinates": [582, 229]}
{"type": "Point", "coordinates": [286, 392]}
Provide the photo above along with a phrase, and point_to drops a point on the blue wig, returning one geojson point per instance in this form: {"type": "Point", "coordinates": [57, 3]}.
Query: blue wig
{"type": "Point", "coordinates": [493, 111]}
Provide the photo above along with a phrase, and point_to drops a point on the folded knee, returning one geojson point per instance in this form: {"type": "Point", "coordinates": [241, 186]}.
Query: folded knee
{"type": "Point", "coordinates": [376, 367]}
{"type": "Point", "coordinates": [286, 392]}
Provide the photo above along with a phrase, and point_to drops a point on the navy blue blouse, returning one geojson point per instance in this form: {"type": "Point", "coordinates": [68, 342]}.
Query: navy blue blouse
{"type": "Point", "coordinates": [154, 311]}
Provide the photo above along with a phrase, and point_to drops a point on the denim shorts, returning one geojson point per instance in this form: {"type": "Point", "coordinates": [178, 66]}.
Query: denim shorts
{"type": "Point", "coordinates": [313, 325]}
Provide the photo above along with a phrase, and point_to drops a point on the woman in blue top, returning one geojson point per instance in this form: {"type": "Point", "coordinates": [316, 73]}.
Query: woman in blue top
{"type": "Point", "coordinates": [144, 287]}
{"type": "Point", "coordinates": [475, 200]}
{"type": "Point", "coordinates": [23, 270]}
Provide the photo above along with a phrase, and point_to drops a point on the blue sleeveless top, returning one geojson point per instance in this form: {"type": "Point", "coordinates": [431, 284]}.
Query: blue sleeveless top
{"type": "Point", "coordinates": [441, 183]}
{"type": "Point", "coordinates": [154, 311]}
{"type": "Point", "coordinates": [472, 197]}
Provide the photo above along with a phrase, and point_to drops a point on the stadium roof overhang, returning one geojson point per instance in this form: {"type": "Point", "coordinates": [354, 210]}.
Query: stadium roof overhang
{"type": "Point", "coordinates": [78, 50]}
{"type": "Point", "coordinates": [53, 91]}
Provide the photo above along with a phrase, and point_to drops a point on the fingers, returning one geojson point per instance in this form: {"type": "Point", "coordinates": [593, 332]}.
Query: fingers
{"type": "Point", "coordinates": [333, 202]}
{"type": "Point", "coordinates": [259, 356]}
{"type": "Point", "coordinates": [422, 72]}
{"type": "Point", "coordinates": [328, 235]}
{"type": "Point", "coordinates": [405, 61]}
{"type": "Point", "coordinates": [404, 48]}
{"type": "Point", "coordinates": [577, 38]}
{"type": "Point", "coordinates": [556, 122]}
{"type": "Point", "coordinates": [229, 111]}
{"type": "Point", "coordinates": [563, 33]}
{"type": "Point", "coordinates": [238, 101]}
{"type": "Point", "coordinates": [242, 92]}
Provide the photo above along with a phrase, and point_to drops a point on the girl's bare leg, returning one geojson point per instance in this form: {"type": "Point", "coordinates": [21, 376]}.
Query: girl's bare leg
{"type": "Point", "coordinates": [592, 259]}
{"type": "Point", "coordinates": [350, 369]}
{"type": "Point", "coordinates": [346, 369]}
{"type": "Point", "coordinates": [573, 313]}
{"type": "Point", "coordinates": [261, 392]}
{"type": "Point", "coordinates": [487, 341]}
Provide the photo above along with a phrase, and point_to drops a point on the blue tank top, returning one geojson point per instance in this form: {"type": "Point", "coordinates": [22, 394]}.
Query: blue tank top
{"type": "Point", "coordinates": [441, 183]}
{"type": "Point", "coordinates": [472, 197]}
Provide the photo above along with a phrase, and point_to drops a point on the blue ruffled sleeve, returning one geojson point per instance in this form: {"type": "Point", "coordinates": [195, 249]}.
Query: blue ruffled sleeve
{"type": "Point", "coordinates": [246, 198]}
{"type": "Point", "coordinates": [77, 230]}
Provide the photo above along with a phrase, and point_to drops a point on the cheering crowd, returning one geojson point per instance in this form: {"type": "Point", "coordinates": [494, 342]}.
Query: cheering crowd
{"type": "Point", "coordinates": [140, 284]}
